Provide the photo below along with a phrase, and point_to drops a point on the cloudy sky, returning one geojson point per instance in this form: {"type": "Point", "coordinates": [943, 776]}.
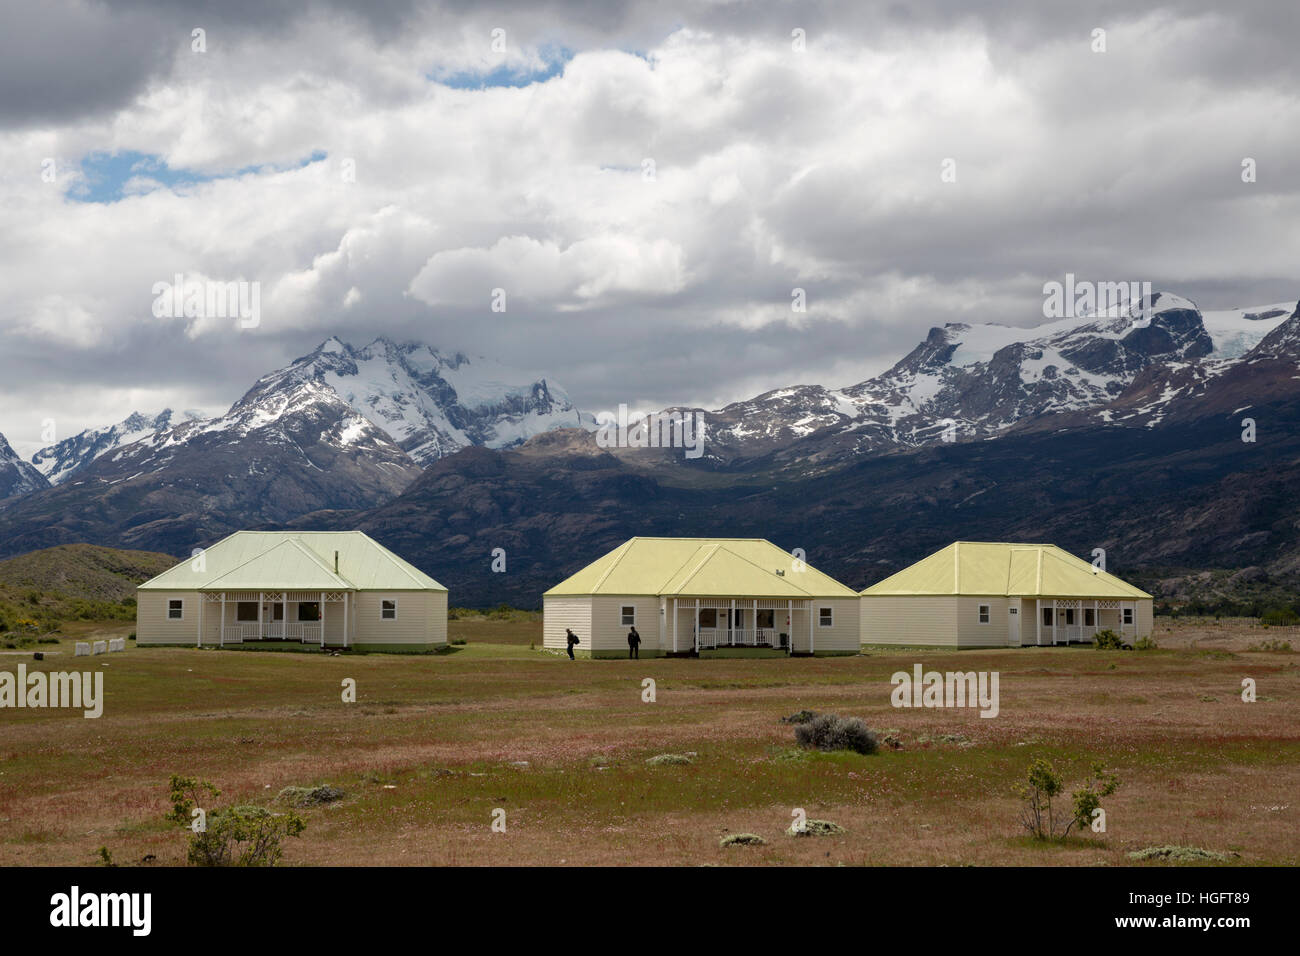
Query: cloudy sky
{"type": "Point", "coordinates": [646, 182]}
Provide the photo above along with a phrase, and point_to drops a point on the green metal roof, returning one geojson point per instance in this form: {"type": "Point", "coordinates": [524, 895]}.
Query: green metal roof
{"type": "Point", "coordinates": [981, 568]}
{"type": "Point", "coordinates": [294, 561]}
{"type": "Point", "coordinates": [700, 567]}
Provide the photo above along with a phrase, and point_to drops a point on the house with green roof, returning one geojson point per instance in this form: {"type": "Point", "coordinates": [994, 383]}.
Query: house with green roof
{"type": "Point", "coordinates": [705, 597]}
{"type": "Point", "coordinates": [998, 594]}
{"type": "Point", "coordinates": [331, 588]}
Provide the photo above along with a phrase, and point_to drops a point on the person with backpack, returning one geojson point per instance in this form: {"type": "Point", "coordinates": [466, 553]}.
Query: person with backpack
{"type": "Point", "coordinates": [573, 639]}
{"type": "Point", "coordinates": [633, 644]}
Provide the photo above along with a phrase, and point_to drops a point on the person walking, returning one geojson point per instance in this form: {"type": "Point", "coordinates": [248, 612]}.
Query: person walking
{"type": "Point", "coordinates": [633, 644]}
{"type": "Point", "coordinates": [573, 639]}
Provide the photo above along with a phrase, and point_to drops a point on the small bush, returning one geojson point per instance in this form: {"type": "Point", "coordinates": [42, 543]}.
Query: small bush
{"type": "Point", "coordinates": [310, 796]}
{"type": "Point", "coordinates": [669, 760]}
{"type": "Point", "coordinates": [832, 732]}
{"type": "Point", "coordinates": [1145, 644]}
{"type": "Point", "coordinates": [742, 839]}
{"type": "Point", "coordinates": [1107, 640]}
{"type": "Point", "coordinates": [1044, 784]}
{"type": "Point", "coordinates": [232, 836]}
{"type": "Point", "coordinates": [1180, 854]}
{"type": "Point", "coordinates": [815, 828]}
{"type": "Point", "coordinates": [1274, 646]}
{"type": "Point", "coordinates": [799, 717]}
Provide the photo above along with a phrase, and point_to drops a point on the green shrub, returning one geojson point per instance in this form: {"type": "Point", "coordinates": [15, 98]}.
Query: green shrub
{"type": "Point", "coordinates": [799, 717]}
{"type": "Point", "coordinates": [1107, 640]}
{"type": "Point", "coordinates": [1145, 644]}
{"type": "Point", "coordinates": [669, 760]}
{"type": "Point", "coordinates": [815, 828]}
{"type": "Point", "coordinates": [1279, 617]}
{"type": "Point", "coordinates": [233, 836]}
{"type": "Point", "coordinates": [832, 732]}
{"type": "Point", "coordinates": [310, 796]}
{"type": "Point", "coordinates": [1043, 785]}
{"type": "Point", "coordinates": [742, 839]}
{"type": "Point", "coordinates": [1180, 854]}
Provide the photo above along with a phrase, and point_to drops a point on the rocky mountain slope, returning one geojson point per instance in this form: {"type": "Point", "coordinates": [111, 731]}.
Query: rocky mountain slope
{"type": "Point", "coordinates": [18, 478]}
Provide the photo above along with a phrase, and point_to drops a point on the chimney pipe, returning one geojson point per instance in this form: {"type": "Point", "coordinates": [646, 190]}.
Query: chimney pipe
{"type": "Point", "coordinates": [336, 562]}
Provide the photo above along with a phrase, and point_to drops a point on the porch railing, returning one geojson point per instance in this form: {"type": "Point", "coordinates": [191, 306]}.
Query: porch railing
{"type": "Point", "coordinates": [714, 637]}
{"type": "Point", "coordinates": [306, 632]}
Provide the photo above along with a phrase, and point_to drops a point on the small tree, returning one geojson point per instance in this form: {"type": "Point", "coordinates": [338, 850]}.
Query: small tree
{"type": "Point", "coordinates": [232, 836]}
{"type": "Point", "coordinates": [1107, 640]}
{"type": "Point", "coordinates": [1044, 784]}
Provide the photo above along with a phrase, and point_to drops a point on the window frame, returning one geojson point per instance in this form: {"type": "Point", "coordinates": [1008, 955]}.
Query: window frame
{"type": "Point", "coordinates": [984, 613]}
{"type": "Point", "coordinates": [382, 609]}
{"type": "Point", "coordinates": [826, 616]}
{"type": "Point", "coordinates": [180, 616]}
{"type": "Point", "coordinates": [305, 620]}
{"type": "Point", "coordinates": [239, 606]}
{"type": "Point", "coordinates": [1127, 616]}
{"type": "Point", "coordinates": [622, 617]}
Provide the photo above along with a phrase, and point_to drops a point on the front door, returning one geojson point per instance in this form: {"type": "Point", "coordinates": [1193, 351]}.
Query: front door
{"type": "Point", "coordinates": [1013, 625]}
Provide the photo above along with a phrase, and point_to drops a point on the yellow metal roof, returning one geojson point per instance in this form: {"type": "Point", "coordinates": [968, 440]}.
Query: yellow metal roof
{"type": "Point", "coordinates": [1005, 569]}
{"type": "Point", "coordinates": [294, 561]}
{"type": "Point", "coordinates": [700, 567]}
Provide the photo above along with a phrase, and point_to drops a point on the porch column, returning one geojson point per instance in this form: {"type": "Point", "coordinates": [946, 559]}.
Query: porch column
{"type": "Point", "coordinates": [347, 616]}
{"type": "Point", "coordinates": [284, 615]}
{"type": "Point", "coordinates": [321, 619]}
{"type": "Point", "coordinates": [260, 596]}
{"type": "Point", "coordinates": [1038, 620]}
{"type": "Point", "coordinates": [731, 624]}
{"type": "Point", "coordinates": [756, 622]}
{"type": "Point", "coordinates": [789, 623]}
{"type": "Point", "coordinates": [203, 599]}
{"type": "Point", "coordinates": [1056, 621]}
{"type": "Point", "coordinates": [810, 625]}
{"type": "Point", "coordinates": [1096, 616]}
{"type": "Point", "coordinates": [697, 625]}
{"type": "Point", "coordinates": [221, 631]}
{"type": "Point", "coordinates": [674, 625]}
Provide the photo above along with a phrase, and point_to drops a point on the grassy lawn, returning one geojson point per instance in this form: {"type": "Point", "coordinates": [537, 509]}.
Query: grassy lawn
{"type": "Point", "coordinates": [435, 743]}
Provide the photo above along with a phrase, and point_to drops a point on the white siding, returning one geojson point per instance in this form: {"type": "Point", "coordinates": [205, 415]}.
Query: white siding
{"type": "Point", "coordinates": [844, 634]}
{"type": "Point", "coordinates": [559, 613]}
{"type": "Point", "coordinates": [421, 618]}
{"type": "Point", "coordinates": [971, 633]}
{"type": "Point", "coordinates": [152, 625]}
{"type": "Point", "coordinates": [920, 621]}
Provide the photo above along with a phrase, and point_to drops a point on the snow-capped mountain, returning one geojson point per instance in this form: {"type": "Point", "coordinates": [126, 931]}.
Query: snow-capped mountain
{"type": "Point", "coordinates": [968, 381]}
{"type": "Point", "coordinates": [59, 461]}
{"type": "Point", "coordinates": [17, 477]}
{"type": "Point", "coordinates": [434, 404]}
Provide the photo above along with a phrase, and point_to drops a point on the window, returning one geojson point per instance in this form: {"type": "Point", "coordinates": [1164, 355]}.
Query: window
{"type": "Point", "coordinates": [1089, 617]}
{"type": "Point", "coordinates": [175, 609]}
{"type": "Point", "coordinates": [309, 611]}
{"type": "Point", "coordinates": [1047, 617]}
{"type": "Point", "coordinates": [984, 613]}
{"type": "Point", "coordinates": [628, 615]}
{"type": "Point", "coordinates": [825, 617]}
{"type": "Point", "coordinates": [1128, 615]}
{"type": "Point", "coordinates": [1069, 616]}
{"type": "Point", "coordinates": [246, 611]}
{"type": "Point", "coordinates": [277, 611]}
{"type": "Point", "coordinates": [708, 617]}
{"type": "Point", "coordinates": [388, 609]}
{"type": "Point", "coordinates": [766, 617]}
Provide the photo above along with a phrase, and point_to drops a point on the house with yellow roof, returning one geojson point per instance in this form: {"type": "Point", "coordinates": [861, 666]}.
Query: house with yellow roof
{"type": "Point", "coordinates": [704, 597]}
{"type": "Point", "coordinates": [997, 594]}
{"type": "Point", "coordinates": [330, 588]}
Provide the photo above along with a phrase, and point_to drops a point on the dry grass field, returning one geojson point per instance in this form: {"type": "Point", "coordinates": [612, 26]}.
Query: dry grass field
{"type": "Point", "coordinates": [434, 744]}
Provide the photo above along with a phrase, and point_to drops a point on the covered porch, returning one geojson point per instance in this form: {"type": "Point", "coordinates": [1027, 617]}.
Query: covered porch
{"type": "Point", "coordinates": [696, 624]}
{"type": "Point", "coordinates": [1079, 620]}
{"type": "Point", "coordinates": [306, 617]}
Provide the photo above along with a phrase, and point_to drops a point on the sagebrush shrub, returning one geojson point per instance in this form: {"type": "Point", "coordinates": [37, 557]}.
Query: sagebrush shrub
{"type": "Point", "coordinates": [833, 732]}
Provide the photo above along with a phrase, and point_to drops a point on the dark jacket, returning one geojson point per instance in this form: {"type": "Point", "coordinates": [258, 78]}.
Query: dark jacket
{"type": "Point", "coordinates": [633, 638]}
{"type": "Point", "coordinates": [573, 638]}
